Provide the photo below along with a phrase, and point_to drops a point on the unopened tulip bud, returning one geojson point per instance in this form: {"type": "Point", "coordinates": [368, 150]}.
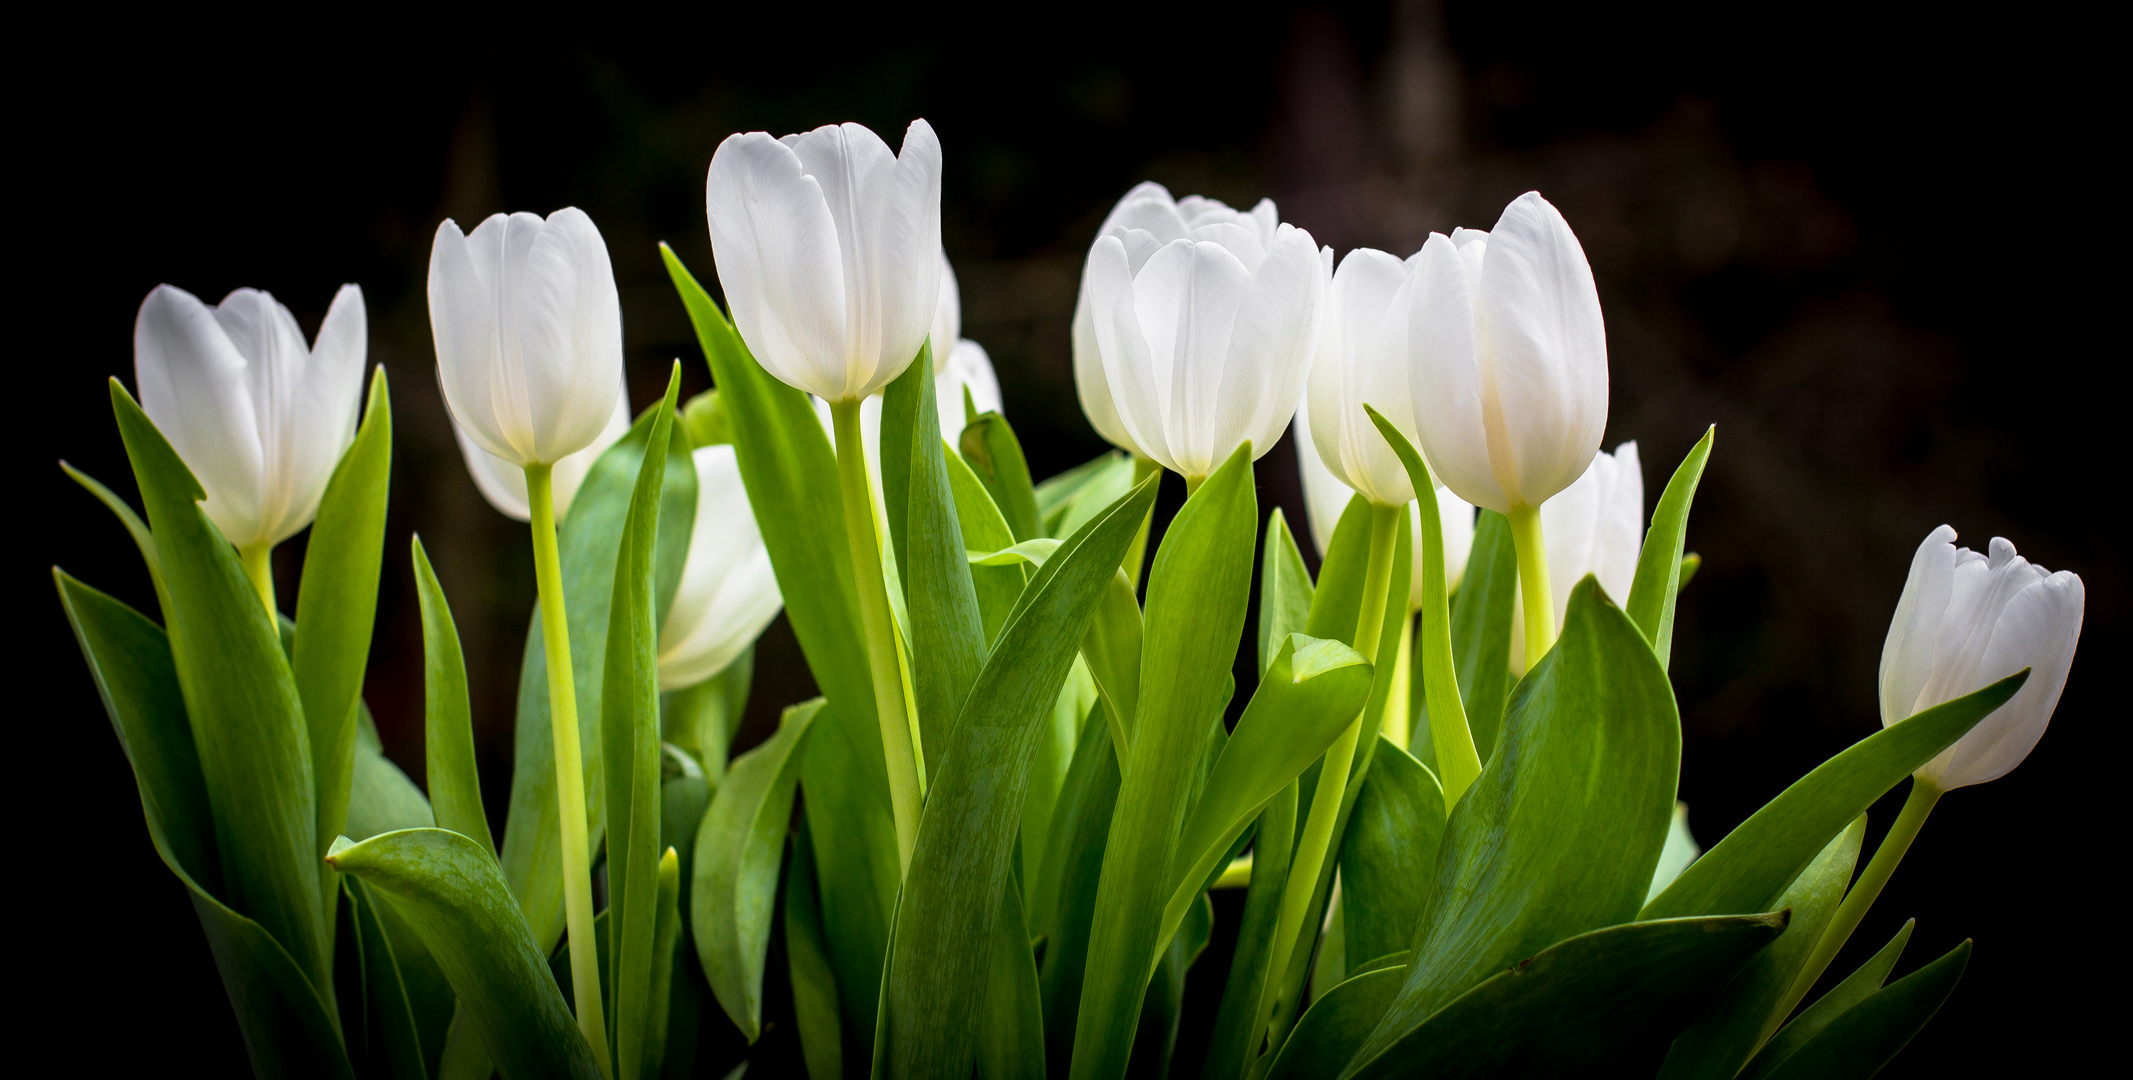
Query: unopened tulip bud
{"type": "Point", "coordinates": [728, 592]}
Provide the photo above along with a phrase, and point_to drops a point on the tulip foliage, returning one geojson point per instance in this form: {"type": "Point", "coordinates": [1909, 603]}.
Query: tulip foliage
{"type": "Point", "coordinates": [987, 848]}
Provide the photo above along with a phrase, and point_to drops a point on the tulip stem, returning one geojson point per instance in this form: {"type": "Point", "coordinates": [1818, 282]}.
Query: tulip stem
{"type": "Point", "coordinates": [1924, 794]}
{"type": "Point", "coordinates": [569, 765]}
{"type": "Point", "coordinates": [258, 563]}
{"type": "Point", "coordinates": [1458, 763]}
{"type": "Point", "coordinates": [1539, 607]}
{"type": "Point", "coordinates": [1137, 551]}
{"type": "Point", "coordinates": [878, 625]}
{"type": "Point", "coordinates": [1398, 726]}
{"type": "Point", "coordinates": [1326, 799]}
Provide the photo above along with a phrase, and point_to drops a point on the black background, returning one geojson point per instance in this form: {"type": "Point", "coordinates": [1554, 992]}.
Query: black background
{"type": "Point", "coordinates": [1865, 245]}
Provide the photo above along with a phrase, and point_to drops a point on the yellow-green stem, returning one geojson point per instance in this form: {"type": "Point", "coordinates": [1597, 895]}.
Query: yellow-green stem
{"type": "Point", "coordinates": [1863, 892]}
{"type": "Point", "coordinates": [569, 766]}
{"type": "Point", "coordinates": [1458, 763]}
{"type": "Point", "coordinates": [1398, 725]}
{"type": "Point", "coordinates": [1317, 834]}
{"type": "Point", "coordinates": [878, 625]}
{"type": "Point", "coordinates": [1137, 551]}
{"type": "Point", "coordinates": [258, 563]}
{"type": "Point", "coordinates": [1539, 606]}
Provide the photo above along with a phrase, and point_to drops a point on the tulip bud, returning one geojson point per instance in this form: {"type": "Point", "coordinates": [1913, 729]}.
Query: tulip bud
{"type": "Point", "coordinates": [1966, 621]}
{"type": "Point", "coordinates": [827, 246]}
{"type": "Point", "coordinates": [528, 331]}
{"type": "Point", "coordinates": [728, 592]}
{"type": "Point", "coordinates": [504, 484]}
{"type": "Point", "coordinates": [1326, 499]}
{"type": "Point", "coordinates": [1362, 359]}
{"type": "Point", "coordinates": [1204, 340]}
{"type": "Point", "coordinates": [259, 417]}
{"type": "Point", "coordinates": [1595, 526]}
{"type": "Point", "coordinates": [958, 363]}
{"type": "Point", "coordinates": [1510, 374]}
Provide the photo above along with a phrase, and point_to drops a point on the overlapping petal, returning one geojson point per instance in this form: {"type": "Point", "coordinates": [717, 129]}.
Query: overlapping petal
{"type": "Point", "coordinates": [1363, 359]}
{"type": "Point", "coordinates": [504, 484]}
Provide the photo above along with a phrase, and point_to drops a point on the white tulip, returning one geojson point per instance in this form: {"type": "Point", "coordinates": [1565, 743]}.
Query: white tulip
{"type": "Point", "coordinates": [529, 333]}
{"type": "Point", "coordinates": [259, 417]}
{"type": "Point", "coordinates": [1147, 208]}
{"type": "Point", "coordinates": [1205, 340]}
{"type": "Point", "coordinates": [1326, 499]}
{"type": "Point", "coordinates": [1966, 621]}
{"type": "Point", "coordinates": [958, 363]}
{"type": "Point", "coordinates": [1510, 374]}
{"type": "Point", "coordinates": [504, 484]}
{"type": "Point", "coordinates": [1596, 526]}
{"type": "Point", "coordinates": [826, 245]}
{"type": "Point", "coordinates": [1363, 359]}
{"type": "Point", "coordinates": [728, 592]}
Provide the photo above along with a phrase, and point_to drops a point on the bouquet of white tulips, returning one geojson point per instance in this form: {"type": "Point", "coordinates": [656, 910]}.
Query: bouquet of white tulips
{"type": "Point", "coordinates": [986, 849]}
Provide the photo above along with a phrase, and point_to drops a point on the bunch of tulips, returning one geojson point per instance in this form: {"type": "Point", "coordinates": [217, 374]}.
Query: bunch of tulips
{"type": "Point", "coordinates": [1449, 796]}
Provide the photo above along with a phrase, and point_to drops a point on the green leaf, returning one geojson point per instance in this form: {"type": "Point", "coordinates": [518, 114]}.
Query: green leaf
{"type": "Point", "coordinates": [1336, 1024]}
{"type": "Point", "coordinates": [738, 850]}
{"type": "Point", "coordinates": [701, 719]}
{"type": "Point", "coordinates": [961, 864]}
{"type": "Point", "coordinates": [814, 981]}
{"type": "Point", "coordinates": [1679, 852]}
{"type": "Point", "coordinates": [1284, 589]}
{"type": "Point", "coordinates": [450, 890]}
{"type": "Point", "coordinates": [985, 529]}
{"type": "Point", "coordinates": [392, 1046]}
{"type": "Point", "coordinates": [247, 721]}
{"type": "Point", "coordinates": [1197, 594]}
{"type": "Point", "coordinates": [666, 941]}
{"type": "Point", "coordinates": [135, 527]}
{"type": "Point", "coordinates": [1577, 1007]}
{"type": "Point", "coordinates": [1756, 860]}
{"type": "Point", "coordinates": [1388, 853]}
{"type": "Point", "coordinates": [1481, 628]}
{"type": "Point", "coordinates": [1308, 696]}
{"type": "Point", "coordinates": [1010, 1043]}
{"type": "Point", "coordinates": [1064, 892]}
{"type": "Point", "coordinates": [1067, 501]}
{"type": "Point", "coordinates": [1238, 1024]}
{"type": "Point", "coordinates": [989, 446]}
{"type": "Point", "coordinates": [1746, 1011]}
{"type": "Point", "coordinates": [1856, 987]}
{"type": "Point", "coordinates": [629, 726]}
{"type": "Point", "coordinates": [1112, 649]}
{"type": "Point", "coordinates": [288, 1031]}
{"type": "Point", "coordinates": [704, 421]}
{"type": "Point", "coordinates": [381, 798]}
{"type": "Point", "coordinates": [1155, 1040]}
{"type": "Point", "coordinates": [337, 605]}
{"type": "Point", "coordinates": [1659, 570]}
{"type": "Point", "coordinates": [447, 720]}
{"type": "Point", "coordinates": [1870, 1034]}
{"type": "Point", "coordinates": [1560, 834]}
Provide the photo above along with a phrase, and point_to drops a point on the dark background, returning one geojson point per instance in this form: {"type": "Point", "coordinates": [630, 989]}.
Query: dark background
{"type": "Point", "coordinates": [1857, 242]}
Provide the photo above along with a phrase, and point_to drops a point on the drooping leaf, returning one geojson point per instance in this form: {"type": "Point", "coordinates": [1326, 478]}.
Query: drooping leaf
{"type": "Point", "coordinates": [1285, 589]}
{"type": "Point", "coordinates": [1239, 1026]}
{"type": "Point", "coordinates": [1856, 987]}
{"type": "Point", "coordinates": [1869, 1035]}
{"type": "Point", "coordinates": [1389, 852]}
{"type": "Point", "coordinates": [988, 444]}
{"type": "Point", "coordinates": [814, 982]}
{"type": "Point", "coordinates": [447, 720]}
{"type": "Point", "coordinates": [1659, 570]}
{"type": "Point", "coordinates": [1481, 628]}
{"type": "Point", "coordinates": [452, 892]}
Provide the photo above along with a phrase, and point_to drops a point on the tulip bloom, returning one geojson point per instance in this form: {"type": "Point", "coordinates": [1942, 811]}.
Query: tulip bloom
{"type": "Point", "coordinates": [260, 418]}
{"type": "Point", "coordinates": [958, 363]}
{"type": "Point", "coordinates": [1326, 499]}
{"type": "Point", "coordinates": [1204, 340]}
{"type": "Point", "coordinates": [728, 593]}
{"type": "Point", "coordinates": [504, 483]}
{"type": "Point", "coordinates": [827, 246]}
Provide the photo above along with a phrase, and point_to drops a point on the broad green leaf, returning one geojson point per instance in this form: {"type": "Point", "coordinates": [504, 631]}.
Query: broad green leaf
{"type": "Point", "coordinates": [1856, 987]}
{"type": "Point", "coordinates": [629, 729]}
{"type": "Point", "coordinates": [1284, 589]}
{"type": "Point", "coordinates": [1010, 1044]}
{"type": "Point", "coordinates": [135, 527]}
{"type": "Point", "coordinates": [738, 849]}
{"type": "Point", "coordinates": [1577, 1007]}
{"type": "Point", "coordinates": [1389, 852]}
{"type": "Point", "coordinates": [1238, 1023]}
{"type": "Point", "coordinates": [1064, 892]}
{"type": "Point", "coordinates": [288, 1030]}
{"type": "Point", "coordinates": [1729, 1029]}
{"type": "Point", "coordinates": [447, 720]}
{"type": "Point", "coordinates": [1307, 697]}
{"type": "Point", "coordinates": [429, 993]}
{"type": "Point", "coordinates": [894, 441]}
{"type": "Point", "coordinates": [589, 540]}
{"type": "Point", "coordinates": [381, 798]}
{"type": "Point", "coordinates": [666, 942]}
{"type": "Point", "coordinates": [1112, 649]}
{"type": "Point", "coordinates": [961, 864]}
{"type": "Point", "coordinates": [1758, 858]}
{"type": "Point", "coordinates": [1067, 501]}
{"type": "Point", "coordinates": [1059, 734]}
{"type": "Point", "coordinates": [1659, 570]}
{"type": "Point", "coordinates": [1336, 1024]}
{"type": "Point", "coordinates": [247, 721]}
{"type": "Point", "coordinates": [336, 606]}
{"type": "Point", "coordinates": [790, 472]}
{"type": "Point", "coordinates": [988, 444]}
{"type": "Point", "coordinates": [1197, 594]}
{"type": "Point", "coordinates": [985, 529]}
{"type": "Point", "coordinates": [1679, 852]}
{"type": "Point", "coordinates": [1560, 834]}
{"type": "Point", "coordinates": [702, 718]}
{"type": "Point", "coordinates": [1869, 1035]}
{"type": "Point", "coordinates": [814, 982]}
{"type": "Point", "coordinates": [1481, 629]}
{"type": "Point", "coordinates": [1330, 966]}
{"type": "Point", "coordinates": [452, 892]}
{"type": "Point", "coordinates": [391, 1046]}
{"type": "Point", "coordinates": [1155, 1041]}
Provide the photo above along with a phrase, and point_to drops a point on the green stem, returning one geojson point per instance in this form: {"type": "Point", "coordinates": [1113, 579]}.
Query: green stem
{"type": "Point", "coordinates": [1539, 606]}
{"type": "Point", "coordinates": [1137, 551]}
{"type": "Point", "coordinates": [1398, 724]}
{"type": "Point", "coordinates": [1317, 835]}
{"type": "Point", "coordinates": [258, 563]}
{"type": "Point", "coordinates": [569, 767]}
{"type": "Point", "coordinates": [878, 625]}
{"type": "Point", "coordinates": [1863, 893]}
{"type": "Point", "coordinates": [1458, 763]}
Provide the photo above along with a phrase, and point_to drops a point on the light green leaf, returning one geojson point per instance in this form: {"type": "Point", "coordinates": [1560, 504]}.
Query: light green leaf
{"type": "Point", "coordinates": [1756, 860]}
{"type": "Point", "coordinates": [1284, 589]}
{"type": "Point", "coordinates": [1030, 553]}
{"type": "Point", "coordinates": [814, 981]}
{"type": "Point", "coordinates": [1659, 569]}
{"type": "Point", "coordinates": [989, 446]}
{"type": "Point", "coordinates": [452, 892]}
{"type": "Point", "coordinates": [1869, 1035]}
{"type": "Point", "coordinates": [1238, 1025]}
{"type": "Point", "coordinates": [702, 718]}
{"type": "Point", "coordinates": [1481, 629]}
{"type": "Point", "coordinates": [1679, 852]}
{"type": "Point", "coordinates": [1389, 852]}
{"type": "Point", "coordinates": [1336, 1024]}
{"type": "Point", "coordinates": [135, 527]}
{"type": "Point", "coordinates": [738, 849]}
{"type": "Point", "coordinates": [1064, 892]}
{"type": "Point", "coordinates": [985, 529]}
{"type": "Point", "coordinates": [666, 942]}
{"type": "Point", "coordinates": [1856, 987]}
{"type": "Point", "coordinates": [447, 720]}
{"type": "Point", "coordinates": [704, 421]}
{"type": "Point", "coordinates": [1067, 501]}
{"type": "Point", "coordinates": [381, 798]}
{"type": "Point", "coordinates": [1112, 649]}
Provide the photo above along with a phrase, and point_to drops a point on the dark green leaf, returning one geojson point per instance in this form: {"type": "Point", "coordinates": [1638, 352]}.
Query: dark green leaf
{"type": "Point", "coordinates": [1239, 1026]}
{"type": "Point", "coordinates": [1336, 1024]}
{"type": "Point", "coordinates": [1869, 1035]}
{"type": "Point", "coordinates": [381, 798]}
{"type": "Point", "coordinates": [1389, 853]}
{"type": "Point", "coordinates": [1659, 570]}
{"type": "Point", "coordinates": [1856, 987]}
{"type": "Point", "coordinates": [1284, 589]}
{"type": "Point", "coordinates": [1064, 892]}
{"type": "Point", "coordinates": [135, 527]}
{"type": "Point", "coordinates": [1010, 1043]}
{"type": "Point", "coordinates": [984, 529]}
{"type": "Point", "coordinates": [393, 1049]}
{"type": "Point", "coordinates": [989, 446]}
{"type": "Point", "coordinates": [666, 943]}
{"type": "Point", "coordinates": [1481, 628]}
{"type": "Point", "coordinates": [1155, 1040]}
{"type": "Point", "coordinates": [447, 720]}
{"type": "Point", "coordinates": [814, 982]}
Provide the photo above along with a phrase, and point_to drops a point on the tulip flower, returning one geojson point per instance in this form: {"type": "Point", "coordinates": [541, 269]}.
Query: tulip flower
{"type": "Point", "coordinates": [728, 593]}
{"type": "Point", "coordinates": [1510, 375]}
{"type": "Point", "coordinates": [528, 329]}
{"type": "Point", "coordinates": [1326, 499]}
{"type": "Point", "coordinates": [504, 484]}
{"type": "Point", "coordinates": [1595, 526]}
{"type": "Point", "coordinates": [259, 417]}
{"type": "Point", "coordinates": [958, 363]}
{"type": "Point", "coordinates": [1204, 340]}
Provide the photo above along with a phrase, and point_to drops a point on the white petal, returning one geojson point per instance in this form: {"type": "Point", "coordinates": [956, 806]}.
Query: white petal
{"type": "Point", "coordinates": [1445, 377]}
{"type": "Point", "coordinates": [1545, 351]}
{"type": "Point", "coordinates": [728, 592]}
{"type": "Point", "coordinates": [1363, 361]}
{"type": "Point", "coordinates": [1269, 353]}
{"type": "Point", "coordinates": [1325, 497]}
{"type": "Point", "coordinates": [776, 248]}
{"type": "Point", "coordinates": [1620, 528]}
{"type": "Point", "coordinates": [501, 482]}
{"type": "Point", "coordinates": [193, 384]}
{"type": "Point", "coordinates": [1188, 299]}
{"type": "Point", "coordinates": [1457, 516]}
{"type": "Point", "coordinates": [968, 368]}
{"type": "Point", "coordinates": [947, 326]}
{"type": "Point", "coordinates": [1137, 390]}
{"type": "Point", "coordinates": [570, 327]}
{"type": "Point", "coordinates": [1907, 653]}
{"type": "Point", "coordinates": [907, 242]}
{"type": "Point", "coordinates": [2038, 629]}
{"type": "Point", "coordinates": [1148, 207]}
{"type": "Point", "coordinates": [465, 324]}
{"type": "Point", "coordinates": [321, 420]}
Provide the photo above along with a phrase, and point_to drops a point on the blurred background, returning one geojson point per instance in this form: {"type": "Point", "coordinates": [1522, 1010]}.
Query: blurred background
{"type": "Point", "coordinates": [1841, 236]}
